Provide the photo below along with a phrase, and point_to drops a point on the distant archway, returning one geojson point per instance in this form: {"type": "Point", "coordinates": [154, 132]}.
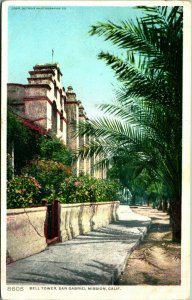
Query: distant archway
{"type": "Point", "coordinates": [54, 117]}
{"type": "Point", "coordinates": [61, 121]}
{"type": "Point", "coordinates": [61, 98]}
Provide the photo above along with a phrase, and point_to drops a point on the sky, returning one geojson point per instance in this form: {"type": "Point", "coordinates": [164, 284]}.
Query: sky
{"type": "Point", "coordinates": [33, 31]}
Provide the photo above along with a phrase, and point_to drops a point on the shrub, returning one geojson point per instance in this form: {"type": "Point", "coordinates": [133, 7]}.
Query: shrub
{"type": "Point", "coordinates": [86, 189]}
{"type": "Point", "coordinates": [23, 140]}
{"type": "Point", "coordinates": [53, 149]}
{"type": "Point", "coordinates": [50, 174]}
{"type": "Point", "coordinates": [106, 190]}
{"type": "Point", "coordinates": [77, 189]}
{"type": "Point", "coordinates": [23, 191]}
{"type": "Point", "coordinates": [29, 144]}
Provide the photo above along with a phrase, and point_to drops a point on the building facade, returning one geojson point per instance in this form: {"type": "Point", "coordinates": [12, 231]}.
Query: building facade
{"type": "Point", "coordinates": [45, 103]}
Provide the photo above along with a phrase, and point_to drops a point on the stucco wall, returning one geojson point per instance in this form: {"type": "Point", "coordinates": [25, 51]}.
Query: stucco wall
{"type": "Point", "coordinates": [38, 111]}
{"type": "Point", "coordinates": [25, 232]}
{"type": "Point", "coordinates": [40, 81]}
{"type": "Point", "coordinates": [15, 93]}
{"type": "Point", "coordinates": [76, 219]}
{"type": "Point", "coordinates": [34, 91]}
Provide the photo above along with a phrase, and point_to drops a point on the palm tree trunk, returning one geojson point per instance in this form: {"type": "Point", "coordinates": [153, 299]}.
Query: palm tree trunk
{"type": "Point", "coordinates": [160, 207]}
{"type": "Point", "coordinates": [165, 205]}
{"type": "Point", "coordinates": [175, 219]}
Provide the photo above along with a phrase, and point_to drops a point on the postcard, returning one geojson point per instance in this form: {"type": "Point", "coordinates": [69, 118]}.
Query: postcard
{"type": "Point", "coordinates": [96, 150]}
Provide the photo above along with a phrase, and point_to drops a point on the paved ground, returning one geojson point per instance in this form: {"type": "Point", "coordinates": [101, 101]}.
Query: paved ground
{"type": "Point", "coordinates": [96, 258]}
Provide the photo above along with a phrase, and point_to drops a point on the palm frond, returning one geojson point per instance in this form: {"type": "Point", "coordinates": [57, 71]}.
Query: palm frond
{"type": "Point", "coordinates": [127, 35]}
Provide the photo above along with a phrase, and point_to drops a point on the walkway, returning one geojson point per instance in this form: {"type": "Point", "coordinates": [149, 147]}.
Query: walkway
{"type": "Point", "coordinates": [98, 257]}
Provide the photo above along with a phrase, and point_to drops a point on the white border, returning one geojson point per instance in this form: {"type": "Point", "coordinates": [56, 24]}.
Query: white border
{"type": "Point", "coordinates": [94, 3]}
{"type": "Point", "coordinates": [126, 292]}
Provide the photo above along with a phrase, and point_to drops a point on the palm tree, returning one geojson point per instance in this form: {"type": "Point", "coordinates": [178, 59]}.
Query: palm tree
{"type": "Point", "coordinates": [145, 122]}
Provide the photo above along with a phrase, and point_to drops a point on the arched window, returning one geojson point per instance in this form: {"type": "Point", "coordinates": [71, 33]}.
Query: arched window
{"type": "Point", "coordinates": [54, 117]}
{"type": "Point", "coordinates": [61, 98]}
{"type": "Point", "coordinates": [55, 90]}
{"type": "Point", "coordinates": [61, 121]}
{"type": "Point", "coordinates": [58, 75]}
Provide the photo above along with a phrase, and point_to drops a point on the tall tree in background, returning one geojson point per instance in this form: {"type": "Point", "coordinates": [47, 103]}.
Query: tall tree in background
{"type": "Point", "coordinates": [144, 125]}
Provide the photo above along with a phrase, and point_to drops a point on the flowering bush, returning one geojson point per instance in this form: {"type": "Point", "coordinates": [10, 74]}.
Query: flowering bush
{"type": "Point", "coordinates": [50, 175]}
{"type": "Point", "coordinates": [23, 191]}
{"type": "Point", "coordinates": [86, 189]}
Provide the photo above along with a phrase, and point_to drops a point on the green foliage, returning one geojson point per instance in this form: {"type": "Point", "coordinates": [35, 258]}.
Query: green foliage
{"type": "Point", "coordinates": [86, 189]}
{"type": "Point", "coordinates": [23, 191]}
{"type": "Point", "coordinates": [146, 117]}
{"type": "Point", "coordinates": [29, 144]}
{"type": "Point", "coordinates": [53, 149]}
{"type": "Point", "coordinates": [145, 121]}
{"type": "Point", "coordinates": [16, 131]}
{"type": "Point", "coordinates": [52, 166]}
{"type": "Point", "coordinates": [23, 140]}
{"type": "Point", "coordinates": [50, 175]}
{"type": "Point", "coordinates": [126, 168]}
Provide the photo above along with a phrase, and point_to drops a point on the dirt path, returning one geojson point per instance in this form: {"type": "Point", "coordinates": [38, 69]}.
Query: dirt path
{"type": "Point", "coordinates": [156, 261]}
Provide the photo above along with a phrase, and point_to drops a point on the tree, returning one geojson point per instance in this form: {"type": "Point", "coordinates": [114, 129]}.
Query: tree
{"type": "Point", "coordinates": [29, 144]}
{"type": "Point", "coordinates": [145, 122]}
{"type": "Point", "coordinates": [51, 148]}
{"type": "Point", "coordinates": [21, 140]}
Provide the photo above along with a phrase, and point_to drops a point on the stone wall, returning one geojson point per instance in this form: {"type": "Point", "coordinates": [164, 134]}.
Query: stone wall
{"type": "Point", "coordinates": [25, 232]}
{"type": "Point", "coordinates": [26, 227]}
{"type": "Point", "coordinates": [76, 219]}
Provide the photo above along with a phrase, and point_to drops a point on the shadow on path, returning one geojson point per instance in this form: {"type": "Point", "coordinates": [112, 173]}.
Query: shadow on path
{"type": "Point", "coordinates": [93, 258]}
